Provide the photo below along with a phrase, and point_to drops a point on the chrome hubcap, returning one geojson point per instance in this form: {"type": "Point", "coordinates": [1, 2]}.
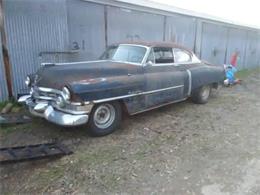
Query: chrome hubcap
{"type": "Point", "coordinates": [205, 92]}
{"type": "Point", "coordinates": [104, 116]}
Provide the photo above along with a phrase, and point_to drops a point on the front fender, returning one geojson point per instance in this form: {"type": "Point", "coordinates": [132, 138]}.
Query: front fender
{"type": "Point", "coordinates": [110, 87]}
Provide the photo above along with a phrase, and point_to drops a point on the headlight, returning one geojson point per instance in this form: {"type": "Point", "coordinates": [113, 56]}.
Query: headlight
{"type": "Point", "coordinates": [27, 81]}
{"type": "Point", "coordinates": [66, 93]}
{"type": "Point", "coordinates": [60, 102]}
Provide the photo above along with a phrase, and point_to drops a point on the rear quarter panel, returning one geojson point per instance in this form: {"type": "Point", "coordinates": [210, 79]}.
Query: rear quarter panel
{"type": "Point", "coordinates": [206, 74]}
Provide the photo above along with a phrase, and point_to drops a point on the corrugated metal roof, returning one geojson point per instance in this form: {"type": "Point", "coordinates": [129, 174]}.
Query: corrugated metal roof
{"type": "Point", "coordinates": [167, 8]}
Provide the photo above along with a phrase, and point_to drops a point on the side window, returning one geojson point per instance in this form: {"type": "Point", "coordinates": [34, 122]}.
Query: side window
{"type": "Point", "coordinates": [150, 57]}
{"type": "Point", "coordinates": [181, 55]}
{"type": "Point", "coordinates": [163, 55]}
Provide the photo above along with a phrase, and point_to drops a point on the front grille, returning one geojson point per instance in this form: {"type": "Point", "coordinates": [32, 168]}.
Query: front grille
{"type": "Point", "coordinates": [45, 94]}
{"type": "Point", "coordinates": [40, 94]}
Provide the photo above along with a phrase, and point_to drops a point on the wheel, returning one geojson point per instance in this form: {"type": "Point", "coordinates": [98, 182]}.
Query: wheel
{"type": "Point", "coordinates": [104, 118]}
{"type": "Point", "coordinates": [201, 95]}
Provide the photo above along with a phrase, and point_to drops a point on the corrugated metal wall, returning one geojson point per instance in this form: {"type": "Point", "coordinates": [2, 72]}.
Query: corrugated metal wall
{"type": "Point", "coordinates": [125, 24]}
{"type": "Point", "coordinates": [181, 29]}
{"type": "Point", "coordinates": [86, 24]}
{"type": "Point", "coordinates": [258, 52]}
{"type": "Point", "coordinates": [214, 43]}
{"type": "Point", "coordinates": [33, 29]}
{"type": "Point", "coordinates": [251, 50]}
{"type": "Point", "coordinates": [75, 30]}
{"type": "Point", "coordinates": [234, 45]}
{"type": "Point", "coordinates": [3, 86]}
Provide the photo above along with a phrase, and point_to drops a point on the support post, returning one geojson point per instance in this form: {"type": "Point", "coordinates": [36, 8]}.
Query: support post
{"type": "Point", "coordinates": [4, 50]}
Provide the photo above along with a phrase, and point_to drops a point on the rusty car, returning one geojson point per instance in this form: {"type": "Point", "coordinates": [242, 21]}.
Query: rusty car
{"type": "Point", "coordinates": [129, 77]}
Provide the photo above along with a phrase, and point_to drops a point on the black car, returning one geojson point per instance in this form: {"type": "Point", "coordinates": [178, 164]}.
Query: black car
{"type": "Point", "coordinates": [129, 77]}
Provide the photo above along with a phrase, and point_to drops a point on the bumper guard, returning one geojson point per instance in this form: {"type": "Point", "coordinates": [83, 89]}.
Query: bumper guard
{"type": "Point", "coordinates": [48, 112]}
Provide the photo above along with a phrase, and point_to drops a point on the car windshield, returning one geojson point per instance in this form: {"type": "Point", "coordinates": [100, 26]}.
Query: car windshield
{"type": "Point", "coordinates": [125, 53]}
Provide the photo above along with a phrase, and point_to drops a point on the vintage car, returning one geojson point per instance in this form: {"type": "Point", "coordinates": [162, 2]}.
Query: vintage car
{"type": "Point", "coordinates": [129, 77]}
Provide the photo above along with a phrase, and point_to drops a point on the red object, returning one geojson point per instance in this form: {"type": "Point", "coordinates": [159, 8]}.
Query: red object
{"type": "Point", "coordinates": [233, 60]}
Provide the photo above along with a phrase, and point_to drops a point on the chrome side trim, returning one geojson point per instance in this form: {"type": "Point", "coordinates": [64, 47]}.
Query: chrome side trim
{"type": "Point", "coordinates": [184, 63]}
{"type": "Point", "coordinates": [190, 82]}
{"type": "Point", "coordinates": [136, 94]}
{"type": "Point", "coordinates": [81, 62]}
{"type": "Point", "coordinates": [176, 101]}
{"type": "Point", "coordinates": [163, 64]}
{"type": "Point", "coordinates": [159, 90]}
{"type": "Point", "coordinates": [114, 98]}
{"type": "Point", "coordinates": [125, 62]}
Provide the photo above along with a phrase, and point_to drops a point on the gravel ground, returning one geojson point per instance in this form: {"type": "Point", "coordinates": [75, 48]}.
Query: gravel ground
{"type": "Point", "coordinates": [179, 149]}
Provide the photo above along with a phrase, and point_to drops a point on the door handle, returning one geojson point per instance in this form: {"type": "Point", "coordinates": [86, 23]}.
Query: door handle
{"type": "Point", "coordinates": [129, 74]}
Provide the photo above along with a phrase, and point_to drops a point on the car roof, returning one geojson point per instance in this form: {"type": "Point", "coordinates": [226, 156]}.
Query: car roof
{"type": "Point", "coordinates": [155, 44]}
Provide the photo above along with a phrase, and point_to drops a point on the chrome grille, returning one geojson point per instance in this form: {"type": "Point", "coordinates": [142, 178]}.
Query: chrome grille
{"type": "Point", "coordinates": [50, 96]}
{"type": "Point", "coordinates": [46, 94]}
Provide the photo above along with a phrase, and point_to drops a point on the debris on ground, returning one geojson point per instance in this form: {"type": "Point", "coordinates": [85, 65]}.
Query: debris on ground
{"type": "Point", "coordinates": [10, 119]}
{"type": "Point", "coordinates": [32, 152]}
{"type": "Point", "coordinates": [7, 108]}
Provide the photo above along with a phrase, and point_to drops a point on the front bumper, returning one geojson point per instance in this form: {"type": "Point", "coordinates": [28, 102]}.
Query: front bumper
{"type": "Point", "coordinates": [47, 111]}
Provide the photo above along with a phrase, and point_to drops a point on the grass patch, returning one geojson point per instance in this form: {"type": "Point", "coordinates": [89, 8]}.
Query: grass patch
{"type": "Point", "coordinates": [107, 155]}
{"type": "Point", "coordinates": [13, 101]}
{"type": "Point", "coordinates": [246, 72]}
{"type": "Point", "coordinates": [5, 130]}
{"type": "Point", "coordinates": [3, 104]}
{"type": "Point", "coordinates": [42, 180]}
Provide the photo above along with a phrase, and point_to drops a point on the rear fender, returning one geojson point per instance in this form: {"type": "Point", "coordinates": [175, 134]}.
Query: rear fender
{"type": "Point", "coordinates": [208, 75]}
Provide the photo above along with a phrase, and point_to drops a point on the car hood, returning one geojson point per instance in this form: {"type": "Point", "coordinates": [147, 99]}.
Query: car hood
{"type": "Point", "coordinates": [57, 76]}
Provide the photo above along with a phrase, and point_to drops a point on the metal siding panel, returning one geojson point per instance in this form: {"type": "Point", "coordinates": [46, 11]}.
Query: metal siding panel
{"type": "Point", "coordinates": [3, 85]}
{"type": "Point", "coordinates": [236, 42]}
{"type": "Point", "coordinates": [127, 25]}
{"type": "Point", "coordinates": [181, 30]}
{"type": "Point", "coordinates": [33, 27]}
{"type": "Point", "coordinates": [86, 29]}
{"type": "Point", "coordinates": [251, 50]}
{"type": "Point", "coordinates": [258, 51]}
{"type": "Point", "coordinates": [213, 43]}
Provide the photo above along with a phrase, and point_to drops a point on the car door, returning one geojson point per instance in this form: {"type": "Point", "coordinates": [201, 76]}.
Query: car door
{"type": "Point", "coordinates": [164, 82]}
{"type": "Point", "coordinates": [184, 60]}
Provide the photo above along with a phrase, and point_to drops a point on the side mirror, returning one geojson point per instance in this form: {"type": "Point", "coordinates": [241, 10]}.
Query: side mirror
{"type": "Point", "coordinates": [149, 63]}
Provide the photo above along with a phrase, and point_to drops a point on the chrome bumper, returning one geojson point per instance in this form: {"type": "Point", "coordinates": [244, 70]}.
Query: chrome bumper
{"type": "Point", "coordinates": [53, 115]}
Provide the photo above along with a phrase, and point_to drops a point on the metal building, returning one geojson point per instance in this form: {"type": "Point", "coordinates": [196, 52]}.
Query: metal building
{"type": "Point", "coordinates": [75, 30]}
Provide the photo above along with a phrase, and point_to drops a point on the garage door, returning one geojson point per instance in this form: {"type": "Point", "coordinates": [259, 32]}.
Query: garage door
{"type": "Point", "coordinates": [181, 29]}
{"type": "Point", "coordinates": [86, 24]}
{"type": "Point", "coordinates": [251, 50]}
{"type": "Point", "coordinates": [236, 43]}
{"type": "Point", "coordinates": [214, 41]}
{"type": "Point", "coordinates": [125, 24]}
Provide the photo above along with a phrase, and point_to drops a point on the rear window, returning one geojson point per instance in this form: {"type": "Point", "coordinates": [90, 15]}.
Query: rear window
{"type": "Point", "coordinates": [163, 55]}
{"type": "Point", "coordinates": [181, 55]}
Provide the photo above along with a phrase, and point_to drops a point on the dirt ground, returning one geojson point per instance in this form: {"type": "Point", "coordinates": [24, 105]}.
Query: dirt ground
{"type": "Point", "coordinates": [179, 149]}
